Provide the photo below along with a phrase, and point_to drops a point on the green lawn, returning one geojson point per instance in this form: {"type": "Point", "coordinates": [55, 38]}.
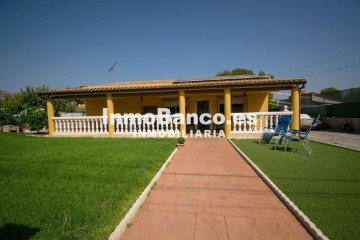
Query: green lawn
{"type": "Point", "coordinates": [72, 188]}
{"type": "Point", "coordinates": [324, 185]}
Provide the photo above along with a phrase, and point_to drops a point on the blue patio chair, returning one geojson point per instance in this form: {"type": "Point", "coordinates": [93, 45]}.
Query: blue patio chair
{"type": "Point", "coordinates": [269, 134]}
{"type": "Point", "coordinates": [298, 136]}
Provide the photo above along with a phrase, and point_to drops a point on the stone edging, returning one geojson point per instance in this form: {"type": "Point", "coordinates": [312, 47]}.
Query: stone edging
{"type": "Point", "coordinates": [120, 229]}
{"type": "Point", "coordinates": [305, 221]}
{"type": "Point", "coordinates": [335, 145]}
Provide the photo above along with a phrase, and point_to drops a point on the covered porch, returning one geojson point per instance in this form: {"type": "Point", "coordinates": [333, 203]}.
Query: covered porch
{"type": "Point", "coordinates": [131, 108]}
{"type": "Point", "coordinates": [144, 126]}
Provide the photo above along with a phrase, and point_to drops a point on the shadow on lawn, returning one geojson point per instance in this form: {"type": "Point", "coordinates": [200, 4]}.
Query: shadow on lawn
{"type": "Point", "coordinates": [11, 231]}
{"type": "Point", "coordinates": [279, 148]}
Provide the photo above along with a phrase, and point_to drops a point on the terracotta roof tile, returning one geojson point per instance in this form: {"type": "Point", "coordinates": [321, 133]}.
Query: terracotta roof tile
{"type": "Point", "coordinates": [233, 81]}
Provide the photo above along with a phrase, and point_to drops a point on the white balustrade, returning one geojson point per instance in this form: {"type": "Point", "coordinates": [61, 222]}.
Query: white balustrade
{"type": "Point", "coordinates": [147, 123]}
{"type": "Point", "coordinates": [255, 121]}
{"type": "Point", "coordinates": [252, 122]}
{"type": "Point", "coordinates": [80, 125]}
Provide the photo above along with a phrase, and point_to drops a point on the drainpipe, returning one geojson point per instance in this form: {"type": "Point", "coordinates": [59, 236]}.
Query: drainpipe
{"type": "Point", "coordinates": [300, 88]}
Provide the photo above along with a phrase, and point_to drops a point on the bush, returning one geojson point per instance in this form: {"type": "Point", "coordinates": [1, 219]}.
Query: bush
{"type": "Point", "coordinates": [181, 140]}
{"type": "Point", "coordinates": [36, 119]}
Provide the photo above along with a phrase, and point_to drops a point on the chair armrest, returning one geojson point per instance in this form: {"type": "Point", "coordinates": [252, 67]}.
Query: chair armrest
{"type": "Point", "coordinates": [297, 132]}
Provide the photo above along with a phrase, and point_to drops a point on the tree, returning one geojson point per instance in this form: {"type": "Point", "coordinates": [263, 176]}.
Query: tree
{"type": "Point", "coordinates": [353, 95]}
{"type": "Point", "coordinates": [332, 93]}
{"type": "Point", "coordinates": [27, 108]}
{"type": "Point", "coordinates": [36, 119]}
{"type": "Point", "coordinates": [243, 71]}
{"type": "Point", "coordinates": [11, 111]}
{"type": "Point", "coordinates": [236, 71]}
{"type": "Point", "coordinates": [65, 105]}
{"type": "Point", "coordinates": [262, 73]}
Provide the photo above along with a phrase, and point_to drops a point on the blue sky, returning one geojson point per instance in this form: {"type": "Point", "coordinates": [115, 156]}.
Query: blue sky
{"type": "Point", "coordinates": [73, 43]}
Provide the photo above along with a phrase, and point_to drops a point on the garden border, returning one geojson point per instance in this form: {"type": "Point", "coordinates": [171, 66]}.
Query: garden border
{"type": "Point", "coordinates": [120, 229]}
{"type": "Point", "coordinates": [304, 220]}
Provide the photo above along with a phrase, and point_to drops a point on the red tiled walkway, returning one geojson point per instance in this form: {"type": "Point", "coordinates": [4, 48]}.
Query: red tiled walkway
{"type": "Point", "coordinates": [209, 192]}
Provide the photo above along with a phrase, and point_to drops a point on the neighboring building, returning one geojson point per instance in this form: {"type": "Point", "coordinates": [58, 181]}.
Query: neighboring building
{"type": "Point", "coordinates": [315, 99]}
{"type": "Point", "coordinates": [311, 102]}
{"type": "Point", "coordinates": [3, 94]}
{"type": "Point", "coordinates": [226, 94]}
{"type": "Point", "coordinates": [338, 112]}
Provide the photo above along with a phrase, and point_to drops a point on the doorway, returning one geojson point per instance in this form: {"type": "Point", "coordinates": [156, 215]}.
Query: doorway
{"type": "Point", "coordinates": [203, 107]}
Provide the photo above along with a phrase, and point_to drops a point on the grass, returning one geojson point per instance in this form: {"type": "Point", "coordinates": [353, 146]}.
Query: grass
{"type": "Point", "coordinates": [324, 185]}
{"type": "Point", "coordinates": [72, 188]}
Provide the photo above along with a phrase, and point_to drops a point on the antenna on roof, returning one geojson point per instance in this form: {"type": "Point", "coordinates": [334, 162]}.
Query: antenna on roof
{"type": "Point", "coordinates": [112, 69]}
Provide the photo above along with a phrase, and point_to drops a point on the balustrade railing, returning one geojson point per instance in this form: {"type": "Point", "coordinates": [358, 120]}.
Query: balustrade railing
{"type": "Point", "coordinates": [136, 123]}
{"type": "Point", "coordinates": [147, 123]}
{"type": "Point", "coordinates": [79, 125]}
{"type": "Point", "coordinates": [255, 121]}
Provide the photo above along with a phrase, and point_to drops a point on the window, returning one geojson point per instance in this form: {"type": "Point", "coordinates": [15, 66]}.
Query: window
{"type": "Point", "coordinates": [151, 109]}
{"type": "Point", "coordinates": [174, 110]}
{"type": "Point", "coordinates": [173, 105]}
{"type": "Point", "coordinates": [237, 105]}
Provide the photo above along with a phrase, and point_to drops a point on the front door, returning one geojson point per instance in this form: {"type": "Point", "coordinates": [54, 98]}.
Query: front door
{"type": "Point", "coordinates": [203, 107]}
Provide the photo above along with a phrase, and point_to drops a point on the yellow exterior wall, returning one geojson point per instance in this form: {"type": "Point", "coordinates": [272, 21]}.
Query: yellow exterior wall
{"type": "Point", "coordinates": [94, 107]}
{"type": "Point", "coordinates": [135, 104]}
{"type": "Point", "coordinates": [256, 102]}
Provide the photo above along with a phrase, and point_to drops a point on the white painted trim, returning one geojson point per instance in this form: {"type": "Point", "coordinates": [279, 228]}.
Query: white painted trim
{"type": "Point", "coordinates": [120, 229]}
{"type": "Point", "coordinates": [305, 221]}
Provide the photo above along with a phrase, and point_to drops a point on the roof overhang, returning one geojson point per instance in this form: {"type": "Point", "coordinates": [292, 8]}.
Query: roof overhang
{"type": "Point", "coordinates": [236, 83]}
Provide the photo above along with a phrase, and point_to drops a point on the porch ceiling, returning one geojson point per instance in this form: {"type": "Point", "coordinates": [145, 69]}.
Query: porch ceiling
{"type": "Point", "coordinates": [214, 84]}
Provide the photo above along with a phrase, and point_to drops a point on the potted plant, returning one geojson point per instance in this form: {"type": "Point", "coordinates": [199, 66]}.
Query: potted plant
{"type": "Point", "coordinates": [180, 142]}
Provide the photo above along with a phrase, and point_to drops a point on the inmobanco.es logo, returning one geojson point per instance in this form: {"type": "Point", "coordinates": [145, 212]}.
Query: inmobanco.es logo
{"type": "Point", "coordinates": [165, 124]}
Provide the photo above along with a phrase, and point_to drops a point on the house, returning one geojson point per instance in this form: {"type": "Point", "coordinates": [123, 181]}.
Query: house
{"type": "Point", "coordinates": [124, 109]}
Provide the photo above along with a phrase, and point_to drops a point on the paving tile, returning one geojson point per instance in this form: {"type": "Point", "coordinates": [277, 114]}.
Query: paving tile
{"type": "Point", "coordinates": [257, 228]}
{"type": "Point", "coordinates": [234, 170]}
{"type": "Point", "coordinates": [169, 177]}
{"type": "Point", "coordinates": [184, 168]}
{"type": "Point", "coordinates": [228, 200]}
{"type": "Point", "coordinates": [192, 199]}
{"type": "Point", "coordinates": [162, 225]}
{"type": "Point", "coordinates": [157, 207]}
{"type": "Point", "coordinates": [162, 197]}
{"type": "Point", "coordinates": [204, 186]}
{"type": "Point", "coordinates": [192, 209]}
{"type": "Point", "coordinates": [267, 212]}
{"type": "Point", "coordinates": [296, 228]}
{"type": "Point", "coordinates": [210, 227]}
{"type": "Point", "coordinates": [180, 186]}
{"type": "Point", "coordinates": [241, 186]}
{"type": "Point", "coordinates": [263, 200]}
{"type": "Point", "coordinates": [232, 211]}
